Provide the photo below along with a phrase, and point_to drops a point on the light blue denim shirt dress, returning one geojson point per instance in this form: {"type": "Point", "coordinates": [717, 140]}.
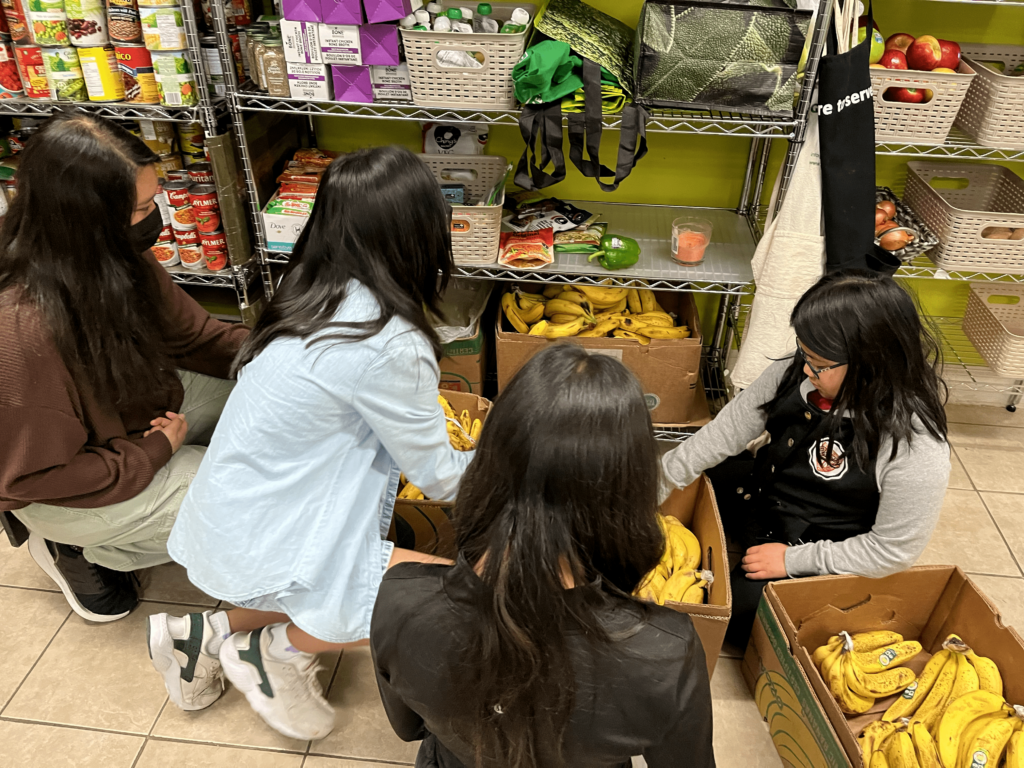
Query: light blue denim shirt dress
{"type": "Point", "coordinates": [291, 504]}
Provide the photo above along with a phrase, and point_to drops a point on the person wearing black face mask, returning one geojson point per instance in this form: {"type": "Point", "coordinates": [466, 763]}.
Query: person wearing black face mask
{"type": "Point", "coordinates": [111, 376]}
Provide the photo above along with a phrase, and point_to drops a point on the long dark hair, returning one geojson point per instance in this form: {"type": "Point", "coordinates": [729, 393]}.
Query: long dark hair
{"type": "Point", "coordinates": [65, 244]}
{"type": "Point", "coordinates": [566, 471]}
{"type": "Point", "coordinates": [893, 361]}
{"type": "Point", "coordinates": [379, 218]}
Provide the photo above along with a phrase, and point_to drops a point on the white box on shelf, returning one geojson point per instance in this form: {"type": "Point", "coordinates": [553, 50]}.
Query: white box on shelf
{"type": "Point", "coordinates": [311, 82]}
{"type": "Point", "coordinates": [391, 83]}
{"type": "Point", "coordinates": [282, 230]}
{"type": "Point", "coordinates": [339, 44]}
{"type": "Point", "coordinates": [301, 41]}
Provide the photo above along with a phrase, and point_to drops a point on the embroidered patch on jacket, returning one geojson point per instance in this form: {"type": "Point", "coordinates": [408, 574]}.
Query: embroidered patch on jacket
{"type": "Point", "coordinates": [820, 465]}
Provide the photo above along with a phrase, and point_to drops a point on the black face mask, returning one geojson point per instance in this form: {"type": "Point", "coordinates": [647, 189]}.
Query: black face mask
{"type": "Point", "coordinates": [144, 234]}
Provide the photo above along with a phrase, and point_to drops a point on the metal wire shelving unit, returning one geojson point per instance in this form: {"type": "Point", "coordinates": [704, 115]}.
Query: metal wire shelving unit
{"type": "Point", "coordinates": [43, 108]}
{"type": "Point", "coordinates": [963, 366]}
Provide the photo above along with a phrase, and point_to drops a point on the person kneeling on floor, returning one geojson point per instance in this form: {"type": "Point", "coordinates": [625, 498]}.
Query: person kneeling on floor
{"type": "Point", "coordinates": [111, 376]}
{"type": "Point", "coordinates": [532, 649]}
{"type": "Point", "coordinates": [850, 460]}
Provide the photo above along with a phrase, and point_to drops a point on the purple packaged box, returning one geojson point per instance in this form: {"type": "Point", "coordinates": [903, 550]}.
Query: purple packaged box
{"type": "Point", "coordinates": [386, 10]}
{"type": "Point", "coordinates": [301, 10]}
{"type": "Point", "coordinates": [380, 44]}
{"type": "Point", "coordinates": [352, 84]}
{"type": "Point", "coordinates": [342, 12]}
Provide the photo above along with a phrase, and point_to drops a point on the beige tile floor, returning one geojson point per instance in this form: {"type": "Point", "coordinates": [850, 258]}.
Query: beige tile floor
{"type": "Point", "coordinates": [80, 695]}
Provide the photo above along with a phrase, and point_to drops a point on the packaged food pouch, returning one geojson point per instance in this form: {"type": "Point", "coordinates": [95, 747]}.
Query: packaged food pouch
{"type": "Point", "coordinates": [527, 250]}
{"type": "Point", "coordinates": [461, 139]}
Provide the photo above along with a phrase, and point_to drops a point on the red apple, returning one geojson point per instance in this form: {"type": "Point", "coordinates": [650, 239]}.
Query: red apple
{"type": "Point", "coordinates": [893, 59]}
{"type": "Point", "coordinates": [925, 53]}
{"type": "Point", "coordinates": [950, 55]}
{"type": "Point", "coordinates": [899, 42]}
{"type": "Point", "coordinates": [906, 95]}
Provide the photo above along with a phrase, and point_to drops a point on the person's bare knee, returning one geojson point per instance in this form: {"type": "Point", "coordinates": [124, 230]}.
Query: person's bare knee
{"type": "Point", "coordinates": [305, 642]}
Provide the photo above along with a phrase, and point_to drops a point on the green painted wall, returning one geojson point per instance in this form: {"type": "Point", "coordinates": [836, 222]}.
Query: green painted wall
{"type": "Point", "coordinates": [707, 171]}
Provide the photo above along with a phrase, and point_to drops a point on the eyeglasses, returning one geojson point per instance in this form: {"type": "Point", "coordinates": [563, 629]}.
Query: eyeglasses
{"type": "Point", "coordinates": [815, 370]}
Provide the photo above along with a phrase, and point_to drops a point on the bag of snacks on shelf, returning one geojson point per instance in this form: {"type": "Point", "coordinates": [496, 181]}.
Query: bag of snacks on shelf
{"type": "Point", "coordinates": [527, 250]}
{"type": "Point", "coordinates": [454, 139]}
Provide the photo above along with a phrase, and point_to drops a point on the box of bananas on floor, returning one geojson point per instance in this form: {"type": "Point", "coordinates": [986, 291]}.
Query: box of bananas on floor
{"type": "Point", "coordinates": [692, 576]}
{"type": "Point", "coordinates": [914, 670]}
{"type": "Point", "coordinates": [423, 524]}
{"type": "Point", "coordinates": [656, 334]}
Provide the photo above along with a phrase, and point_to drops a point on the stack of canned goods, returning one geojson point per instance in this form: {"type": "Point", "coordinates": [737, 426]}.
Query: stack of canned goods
{"type": "Point", "coordinates": [179, 145]}
{"type": "Point", "coordinates": [37, 57]}
{"type": "Point", "coordinates": [194, 219]}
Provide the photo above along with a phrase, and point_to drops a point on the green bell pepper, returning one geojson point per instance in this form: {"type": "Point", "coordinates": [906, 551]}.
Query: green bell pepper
{"type": "Point", "coordinates": [617, 252]}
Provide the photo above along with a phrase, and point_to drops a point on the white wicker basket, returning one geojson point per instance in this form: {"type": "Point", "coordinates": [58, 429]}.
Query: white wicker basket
{"type": "Point", "coordinates": [489, 87]}
{"type": "Point", "coordinates": [476, 229]}
{"type": "Point", "coordinates": [993, 111]}
{"type": "Point", "coordinates": [994, 324]}
{"type": "Point", "coordinates": [919, 123]}
{"type": "Point", "coordinates": [992, 197]}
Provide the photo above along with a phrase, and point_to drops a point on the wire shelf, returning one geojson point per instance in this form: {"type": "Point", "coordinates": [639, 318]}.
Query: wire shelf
{"type": "Point", "coordinates": [660, 120]}
{"type": "Point", "coordinates": [237, 278]}
{"type": "Point", "coordinates": [923, 267]}
{"type": "Point", "coordinates": [43, 108]}
{"type": "Point", "coordinates": [958, 146]}
{"type": "Point", "coordinates": [963, 367]}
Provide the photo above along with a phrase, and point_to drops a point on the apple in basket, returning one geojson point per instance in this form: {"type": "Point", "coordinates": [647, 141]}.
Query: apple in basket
{"type": "Point", "coordinates": [906, 95]}
{"type": "Point", "coordinates": [950, 55]}
{"type": "Point", "coordinates": [925, 53]}
{"type": "Point", "coordinates": [899, 42]}
{"type": "Point", "coordinates": [893, 59]}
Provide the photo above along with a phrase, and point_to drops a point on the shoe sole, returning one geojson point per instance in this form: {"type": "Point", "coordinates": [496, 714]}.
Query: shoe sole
{"type": "Point", "coordinates": [41, 554]}
{"type": "Point", "coordinates": [246, 679]}
{"type": "Point", "coordinates": [161, 653]}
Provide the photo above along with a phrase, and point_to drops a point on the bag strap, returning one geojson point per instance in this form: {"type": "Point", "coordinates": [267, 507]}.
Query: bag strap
{"type": "Point", "coordinates": [541, 123]}
{"type": "Point", "coordinates": [585, 130]}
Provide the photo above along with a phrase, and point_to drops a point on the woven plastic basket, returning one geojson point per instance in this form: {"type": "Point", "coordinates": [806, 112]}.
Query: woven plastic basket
{"type": "Point", "coordinates": [993, 197]}
{"type": "Point", "coordinates": [476, 229]}
{"type": "Point", "coordinates": [926, 123]}
{"type": "Point", "coordinates": [487, 87]}
{"type": "Point", "coordinates": [993, 111]}
{"type": "Point", "coordinates": [994, 324]}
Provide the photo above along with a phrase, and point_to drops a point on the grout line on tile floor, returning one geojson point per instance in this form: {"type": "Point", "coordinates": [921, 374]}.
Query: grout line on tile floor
{"type": "Point", "coordinates": [225, 745]}
{"type": "Point", "coordinates": [34, 663]}
{"type": "Point", "coordinates": [379, 760]}
{"type": "Point", "coordinates": [991, 517]}
{"type": "Point", "coordinates": [29, 721]}
{"type": "Point", "coordinates": [31, 589]}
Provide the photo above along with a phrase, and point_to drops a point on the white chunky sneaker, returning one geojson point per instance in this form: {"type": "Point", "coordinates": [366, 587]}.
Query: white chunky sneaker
{"type": "Point", "coordinates": [286, 694]}
{"type": "Point", "coordinates": [184, 657]}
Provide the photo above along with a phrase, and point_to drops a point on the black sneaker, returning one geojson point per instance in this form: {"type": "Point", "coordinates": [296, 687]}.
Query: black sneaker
{"type": "Point", "coordinates": [94, 592]}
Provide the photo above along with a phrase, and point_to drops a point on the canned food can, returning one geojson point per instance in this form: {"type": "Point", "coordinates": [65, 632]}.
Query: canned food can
{"type": "Point", "coordinates": [136, 67]}
{"type": "Point", "coordinates": [215, 250]}
{"type": "Point", "coordinates": [174, 79]}
{"type": "Point", "coordinates": [32, 70]}
{"type": "Point", "coordinates": [236, 52]}
{"type": "Point", "coordinates": [165, 216]}
{"type": "Point", "coordinates": [64, 74]}
{"type": "Point", "coordinates": [167, 233]}
{"type": "Point", "coordinates": [17, 21]}
{"type": "Point", "coordinates": [161, 4]}
{"type": "Point", "coordinates": [176, 194]}
{"type": "Point", "coordinates": [166, 250]}
{"type": "Point", "coordinates": [102, 80]}
{"type": "Point", "coordinates": [168, 163]}
{"type": "Point", "coordinates": [191, 138]}
{"type": "Point", "coordinates": [48, 27]}
{"type": "Point", "coordinates": [186, 238]}
{"type": "Point", "coordinates": [214, 69]}
{"type": "Point", "coordinates": [163, 29]}
{"type": "Point", "coordinates": [191, 257]}
{"type": "Point", "coordinates": [200, 173]}
{"type": "Point", "coordinates": [10, 80]}
{"type": "Point", "coordinates": [191, 160]}
{"type": "Point", "coordinates": [123, 23]}
{"type": "Point", "coordinates": [206, 207]}
{"type": "Point", "coordinates": [87, 22]}
{"type": "Point", "coordinates": [178, 175]}
{"type": "Point", "coordinates": [158, 135]}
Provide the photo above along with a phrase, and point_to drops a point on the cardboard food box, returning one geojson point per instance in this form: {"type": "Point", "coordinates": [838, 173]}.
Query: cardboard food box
{"type": "Point", "coordinates": [696, 508]}
{"type": "Point", "coordinates": [668, 369]}
{"type": "Point", "coordinates": [797, 616]}
{"type": "Point", "coordinates": [426, 525]}
{"type": "Point", "coordinates": [464, 364]}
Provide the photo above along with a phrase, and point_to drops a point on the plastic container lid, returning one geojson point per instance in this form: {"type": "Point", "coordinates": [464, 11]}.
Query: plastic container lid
{"type": "Point", "coordinates": [408, 22]}
{"type": "Point", "coordinates": [484, 9]}
{"type": "Point", "coordinates": [421, 16]}
{"type": "Point", "coordinates": [455, 14]}
{"type": "Point", "coordinates": [434, 8]}
{"type": "Point", "coordinates": [467, 14]}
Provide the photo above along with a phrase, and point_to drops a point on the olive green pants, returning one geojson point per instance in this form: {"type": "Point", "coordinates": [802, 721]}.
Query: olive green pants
{"type": "Point", "coordinates": [133, 534]}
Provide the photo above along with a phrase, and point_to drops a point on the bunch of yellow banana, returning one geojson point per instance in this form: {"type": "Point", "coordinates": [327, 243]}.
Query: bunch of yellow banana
{"type": "Point", "coordinates": [677, 578]}
{"type": "Point", "coordinates": [898, 745]}
{"type": "Point", "coordinates": [859, 669]}
{"type": "Point", "coordinates": [590, 311]}
{"type": "Point", "coordinates": [463, 432]}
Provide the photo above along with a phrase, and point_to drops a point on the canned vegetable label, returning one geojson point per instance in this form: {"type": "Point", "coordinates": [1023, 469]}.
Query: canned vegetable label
{"type": "Point", "coordinates": [123, 24]}
{"type": "Point", "coordinates": [174, 79]}
{"type": "Point", "coordinates": [163, 29]}
{"type": "Point", "coordinates": [10, 80]}
{"type": "Point", "coordinates": [201, 173]}
{"type": "Point", "coordinates": [192, 257]}
{"type": "Point", "coordinates": [186, 237]}
{"type": "Point", "coordinates": [136, 69]}
{"type": "Point", "coordinates": [64, 74]}
{"type": "Point", "coordinates": [17, 21]}
{"type": "Point", "coordinates": [102, 80]}
{"type": "Point", "coordinates": [207, 210]}
{"type": "Point", "coordinates": [87, 22]}
{"type": "Point", "coordinates": [167, 163]}
{"type": "Point", "coordinates": [33, 71]}
{"type": "Point", "coordinates": [48, 27]}
{"type": "Point", "coordinates": [191, 138]}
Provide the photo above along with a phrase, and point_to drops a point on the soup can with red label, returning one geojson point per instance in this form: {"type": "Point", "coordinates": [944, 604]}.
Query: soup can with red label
{"type": "Point", "coordinates": [201, 173]}
{"type": "Point", "coordinates": [178, 175]}
{"type": "Point", "coordinates": [166, 253]}
{"type": "Point", "coordinates": [191, 257]}
{"type": "Point", "coordinates": [206, 207]}
{"type": "Point", "coordinates": [215, 250]}
{"type": "Point", "coordinates": [165, 213]}
{"type": "Point", "coordinates": [186, 238]}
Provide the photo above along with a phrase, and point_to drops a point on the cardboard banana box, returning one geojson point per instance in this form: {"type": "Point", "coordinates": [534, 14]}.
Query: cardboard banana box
{"type": "Point", "coordinates": [797, 616]}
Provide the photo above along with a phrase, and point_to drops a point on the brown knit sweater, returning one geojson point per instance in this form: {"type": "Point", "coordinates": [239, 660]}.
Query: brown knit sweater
{"type": "Point", "coordinates": [65, 445]}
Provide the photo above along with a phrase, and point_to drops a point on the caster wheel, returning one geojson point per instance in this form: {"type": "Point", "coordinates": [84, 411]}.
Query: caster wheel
{"type": "Point", "coordinates": [1011, 408]}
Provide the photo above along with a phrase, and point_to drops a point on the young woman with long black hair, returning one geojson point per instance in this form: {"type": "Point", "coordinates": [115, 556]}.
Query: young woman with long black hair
{"type": "Point", "coordinates": [532, 651]}
{"type": "Point", "coordinates": [111, 376]}
{"type": "Point", "coordinates": [849, 436]}
{"type": "Point", "coordinates": [337, 395]}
